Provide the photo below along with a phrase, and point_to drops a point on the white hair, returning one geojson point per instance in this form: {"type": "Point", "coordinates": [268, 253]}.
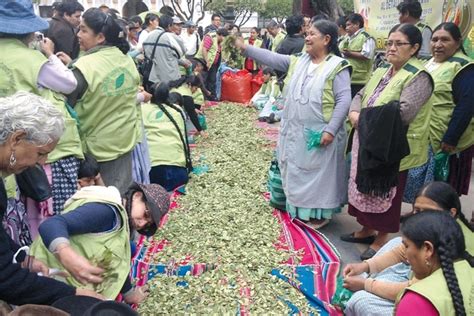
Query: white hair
{"type": "Point", "coordinates": [42, 122]}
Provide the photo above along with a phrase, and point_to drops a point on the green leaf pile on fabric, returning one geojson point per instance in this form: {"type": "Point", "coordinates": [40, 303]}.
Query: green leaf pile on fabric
{"type": "Point", "coordinates": [224, 221]}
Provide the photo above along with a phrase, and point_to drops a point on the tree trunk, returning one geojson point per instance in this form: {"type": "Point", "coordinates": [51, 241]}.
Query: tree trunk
{"type": "Point", "coordinates": [329, 7]}
{"type": "Point", "coordinates": [297, 5]}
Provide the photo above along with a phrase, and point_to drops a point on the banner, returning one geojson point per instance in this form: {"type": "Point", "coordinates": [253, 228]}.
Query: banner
{"type": "Point", "coordinates": [381, 15]}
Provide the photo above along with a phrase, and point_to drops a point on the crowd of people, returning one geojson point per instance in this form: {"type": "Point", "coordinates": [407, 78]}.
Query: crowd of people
{"type": "Point", "coordinates": [95, 112]}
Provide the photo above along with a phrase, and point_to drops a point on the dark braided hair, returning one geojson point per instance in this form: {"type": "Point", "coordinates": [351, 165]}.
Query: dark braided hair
{"type": "Point", "coordinates": [161, 96]}
{"type": "Point", "coordinates": [445, 234]}
{"type": "Point", "coordinates": [446, 197]}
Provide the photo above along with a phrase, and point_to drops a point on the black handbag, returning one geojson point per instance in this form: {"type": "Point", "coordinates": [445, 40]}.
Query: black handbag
{"type": "Point", "coordinates": [34, 183]}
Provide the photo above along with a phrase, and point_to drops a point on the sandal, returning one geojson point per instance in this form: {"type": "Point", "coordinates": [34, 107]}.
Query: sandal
{"type": "Point", "coordinates": [363, 240]}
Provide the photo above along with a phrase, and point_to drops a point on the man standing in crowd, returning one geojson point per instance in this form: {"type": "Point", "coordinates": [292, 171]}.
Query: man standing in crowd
{"type": "Point", "coordinates": [191, 39]}
{"type": "Point", "coordinates": [210, 51]}
{"type": "Point", "coordinates": [215, 24]}
{"type": "Point", "coordinates": [166, 58]}
{"type": "Point", "coordinates": [177, 26]}
{"type": "Point", "coordinates": [276, 33]}
{"type": "Point", "coordinates": [294, 41]}
{"type": "Point", "coordinates": [410, 12]}
{"type": "Point", "coordinates": [63, 28]}
{"type": "Point", "coordinates": [359, 49]}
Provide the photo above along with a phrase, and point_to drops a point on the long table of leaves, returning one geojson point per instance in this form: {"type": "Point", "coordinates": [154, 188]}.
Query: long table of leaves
{"type": "Point", "coordinates": [222, 249]}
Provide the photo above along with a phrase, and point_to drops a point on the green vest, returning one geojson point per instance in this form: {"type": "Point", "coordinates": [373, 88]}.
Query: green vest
{"type": "Point", "coordinates": [277, 40]}
{"type": "Point", "coordinates": [212, 52]}
{"type": "Point", "coordinates": [418, 131]}
{"type": "Point", "coordinates": [93, 246]}
{"type": "Point", "coordinates": [184, 90]}
{"type": "Point", "coordinates": [443, 104]}
{"type": "Point", "coordinates": [198, 97]}
{"type": "Point", "coordinates": [270, 88]}
{"type": "Point", "coordinates": [435, 289]}
{"type": "Point", "coordinates": [468, 237]}
{"type": "Point", "coordinates": [162, 136]}
{"type": "Point", "coordinates": [15, 76]}
{"type": "Point", "coordinates": [257, 43]}
{"type": "Point", "coordinates": [361, 69]}
{"type": "Point", "coordinates": [107, 111]}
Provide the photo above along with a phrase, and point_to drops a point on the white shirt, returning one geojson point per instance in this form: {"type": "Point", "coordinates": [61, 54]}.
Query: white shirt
{"type": "Point", "coordinates": [141, 39]}
{"type": "Point", "coordinates": [368, 49]}
{"type": "Point", "coordinates": [191, 42]}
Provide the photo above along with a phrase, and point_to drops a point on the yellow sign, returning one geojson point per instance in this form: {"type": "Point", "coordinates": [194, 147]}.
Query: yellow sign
{"type": "Point", "coordinates": [381, 15]}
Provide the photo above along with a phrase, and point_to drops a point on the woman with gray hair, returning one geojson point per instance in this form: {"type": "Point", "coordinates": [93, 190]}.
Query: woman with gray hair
{"type": "Point", "coordinates": [30, 128]}
{"type": "Point", "coordinates": [312, 134]}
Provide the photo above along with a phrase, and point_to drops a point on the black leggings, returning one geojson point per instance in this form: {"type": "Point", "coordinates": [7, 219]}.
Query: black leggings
{"type": "Point", "coordinates": [190, 108]}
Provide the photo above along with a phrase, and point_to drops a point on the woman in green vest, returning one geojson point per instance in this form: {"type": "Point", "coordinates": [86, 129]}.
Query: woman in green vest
{"type": "Point", "coordinates": [165, 130]}
{"type": "Point", "coordinates": [312, 135]}
{"type": "Point", "coordinates": [254, 40]}
{"type": "Point", "coordinates": [451, 124]}
{"type": "Point", "coordinates": [96, 253]}
{"type": "Point", "coordinates": [436, 252]}
{"type": "Point", "coordinates": [30, 128]}
{"type": "Point", "coordinates": [388, 273]}
{"type": "Point", "coordinates": [404, 80]}
{"type": "Point", "coordinates": [106, 96]}
{"type": "Point", "coordinates": [41, 72]}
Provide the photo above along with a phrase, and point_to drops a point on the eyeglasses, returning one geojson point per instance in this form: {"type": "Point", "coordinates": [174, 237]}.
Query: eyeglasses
{"type": "Point", "coordinates": [397, 44]}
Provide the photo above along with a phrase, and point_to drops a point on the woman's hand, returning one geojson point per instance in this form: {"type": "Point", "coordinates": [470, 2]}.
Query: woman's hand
{"type": "Point", "coordinates": [137, 295]}
{"type": "Point", "coordinates": [78, 266]}
{"type": "Point", "coordinates": [47, 47]}
{"type": "Point", "coordinates": [86, 292]}
{"type": "Point", "coordinates": [354, 283]}
{"type": "Point", "coordinates": [326, 139]}
{"type": "Point", "coordinates": [34, 265]}
{"type": "Point", "coordinates": [355, 269]}
{"type": "Point", "coordinates": [447, 148]}
{"type": "Point", "coordinates": [354, 119]}
{"type": "Point", "coordinates": [64, 58]}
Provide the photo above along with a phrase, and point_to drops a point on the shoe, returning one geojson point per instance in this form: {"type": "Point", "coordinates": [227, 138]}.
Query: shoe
{"type": "Point", "coordinates": [271, 119]}
{"type": "Point", "coordinates": [351, 238]}
{"type": "Point", "coordinates": [262, 119]}
{"type": "Point", "coordinates": [367, 254]}
{"type": "Point", "coordinates": [317, 224]}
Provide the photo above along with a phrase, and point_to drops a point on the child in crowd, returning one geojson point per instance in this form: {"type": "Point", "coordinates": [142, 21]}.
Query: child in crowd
{"type": "Point", "coordinates": [89, 173]}
{"type": "Point", "coordinates": [266, 98]}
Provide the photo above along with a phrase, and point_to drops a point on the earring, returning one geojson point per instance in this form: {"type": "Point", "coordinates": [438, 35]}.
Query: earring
{"type": "Point", "coordinates": [12, 159]}
{"type": "Point", "coordinates": [428, 264]}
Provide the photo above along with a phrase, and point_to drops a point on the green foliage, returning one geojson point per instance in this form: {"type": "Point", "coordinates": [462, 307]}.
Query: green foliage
{"type": "Point", "coordinates": [278, 9]}
{"type": "Point", "coordinates": [224, 221]}
{"type": "Point", "coordinates": [242, 9]}
{"type": "Point", "coordinates": [347, 6]}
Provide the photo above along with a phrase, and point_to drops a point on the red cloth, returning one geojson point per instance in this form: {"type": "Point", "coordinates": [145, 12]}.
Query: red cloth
{"type": "Point", "coordinates": [413, 304]}
{"type": "Point", "coordinates": [389, 221]}
{"type": "Point", "coordinates": [249, 61]}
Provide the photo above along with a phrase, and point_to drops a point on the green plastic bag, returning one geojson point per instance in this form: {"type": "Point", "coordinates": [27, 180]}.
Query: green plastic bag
{"type": "Point", "coordinates": [202, 121]}
{"type": "Point", "coordinates": [441, 169]}
{"type": "Point", "coordinates": [313, 138]}
{"type": "Point", "coordinates": [342, 295]}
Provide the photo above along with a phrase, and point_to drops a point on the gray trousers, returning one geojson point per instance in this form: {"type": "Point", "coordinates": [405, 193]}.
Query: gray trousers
{"type": "Point", "coordinates": [117, 172]}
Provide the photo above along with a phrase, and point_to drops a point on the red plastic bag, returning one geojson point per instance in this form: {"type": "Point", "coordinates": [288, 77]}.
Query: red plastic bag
{"type": "Point", "coordinates": [237, 87]}
{"type": "Point", "coordinates": [257, 82]}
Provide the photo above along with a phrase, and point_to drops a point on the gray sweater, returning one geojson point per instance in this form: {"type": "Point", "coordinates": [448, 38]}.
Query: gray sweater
{"type": "Point", "coordinates": [169, 51]}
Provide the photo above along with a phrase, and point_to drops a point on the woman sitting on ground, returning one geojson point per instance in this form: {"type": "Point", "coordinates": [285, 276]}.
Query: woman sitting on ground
{"type": "Point", "coordinates": [436, 251]}
{"type": "Point", "coordinates": [388, 272]}
{"type": "Point", "coordinates": [96, 253]}
{"type": "Point", "coordinates": [165, 130]}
